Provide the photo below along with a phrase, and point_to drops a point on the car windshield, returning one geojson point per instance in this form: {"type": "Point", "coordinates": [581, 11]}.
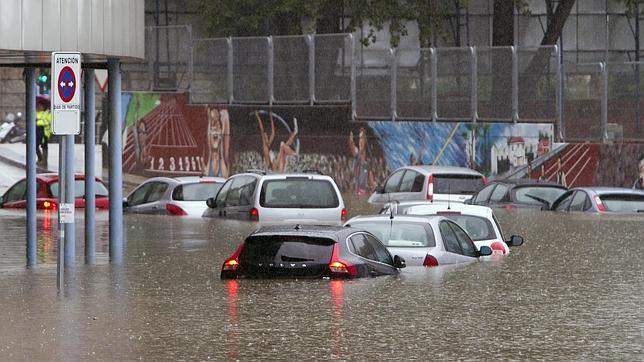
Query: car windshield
{"type": "Point", "coordinates": [286, 249]}
{"type": "Point", "coordinates": [457, 184]}
{"type": "Point", "coordinates": [478, 228]}
{"type": "Point", "coordinates": [79, 189]}
{"type": "Point", "coordinates": [623, 202]}
{"type": "Point", "coordinates": [532, 194]}
{"type": "Point", "coordinates": [301, 193]}
{"type": "Point", "coordinates": [200, 191]}
{"type": "Point", "coordinates": [405, 234]}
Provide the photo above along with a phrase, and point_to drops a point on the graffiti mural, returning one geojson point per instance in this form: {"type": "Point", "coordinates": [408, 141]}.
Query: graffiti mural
{"type": "Point", "coordinates": [164, 135]}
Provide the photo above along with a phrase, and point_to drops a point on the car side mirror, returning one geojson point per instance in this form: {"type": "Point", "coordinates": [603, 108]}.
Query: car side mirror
{"type": "Point", "coordinates": [380, 189]}
{"type": "Point", "coordinates": [515, 240]}
{"type": "Point", "coordinates": [485, 251]}
{"type": "Point", "coordinates": [211, 202]}
{"type": "Point", "coordinates": [399, 262]}
{"type": "Point", "coordinates": [125, 203]}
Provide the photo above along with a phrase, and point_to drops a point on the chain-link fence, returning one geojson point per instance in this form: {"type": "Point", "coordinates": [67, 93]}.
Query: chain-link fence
{"type": "Point", "coordinates": [586, 102]}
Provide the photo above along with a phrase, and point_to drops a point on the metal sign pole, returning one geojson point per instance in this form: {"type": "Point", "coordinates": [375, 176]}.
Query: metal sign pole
{"type": "Point", "coordinates": [61, 227]}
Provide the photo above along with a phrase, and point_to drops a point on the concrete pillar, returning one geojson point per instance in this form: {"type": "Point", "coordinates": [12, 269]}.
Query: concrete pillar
{"type": "Point", "coordinates": [116, 161]}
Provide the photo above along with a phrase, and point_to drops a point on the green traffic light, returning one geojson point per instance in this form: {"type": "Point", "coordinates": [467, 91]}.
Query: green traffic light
{"type": "Point", "coordinates": [42, 78]}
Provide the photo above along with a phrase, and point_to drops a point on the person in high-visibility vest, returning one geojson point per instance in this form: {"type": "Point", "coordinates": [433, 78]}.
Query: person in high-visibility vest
{"type": "Point", "coordinates": [43, 133]}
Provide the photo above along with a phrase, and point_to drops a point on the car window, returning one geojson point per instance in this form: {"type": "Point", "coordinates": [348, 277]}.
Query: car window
{"type": "Point", "coordinates": [360, 246]}
{"type": "Point", "coordinates": [457, 184]}
{"type": "Point", "coordinates": [478, 228]}
{"type": "Point", "coordinates": [79, 189]}
{"type": "Point", "coordinates": [381, 250]}
{"type": "Point", "coordinates": [399, 234]}
{"type": "Point", "coordinates": [157, 189]}
{"type": "Point", "coordinates": [220, 201]}
{"type": "Point", "coordinates": [623, 202]}
{"type": "Point", "coordinates": [562, 204]}
{"type": "Point", "coordinates": [199, 191]}
{"type": "Point", "coordinates": [407, 183]}
{"type": "Point", "coordinates": [285, 249]}
{"type": "Point", "coordinates": [241, 191]}
{"type": "Point", "coordinates": [419, 183]}
{"type": "Point", "coordinates": [137, 197]}
{"type": "Point", "coordinates": [449, 238]}
{"type": "Point", "coordinates": [500, 194]}
{"type": "Point", "coordinates": [547, 193]}
{"type": "Point", "coordinates": [298, 192]}
{"type": "Point", "coordinates": [17, 192]}
{"type": "Point", "coordinates": [498, 226]}
{"type": "Point", "coordinates": [394, 181]}
{"type": "Point", "coordinates": [483, 195]}
{"type": "Point", "coordinates": [467, 246]}
{"type": "Point", "coordinates": [578, 201]}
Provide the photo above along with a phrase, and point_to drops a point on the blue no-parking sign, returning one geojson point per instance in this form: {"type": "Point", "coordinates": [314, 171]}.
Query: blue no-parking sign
{"type": "Point", "coordinates": [65, 105]}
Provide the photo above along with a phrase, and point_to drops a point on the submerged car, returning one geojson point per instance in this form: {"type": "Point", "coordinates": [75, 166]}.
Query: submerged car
{"type": "Point", "coordinates": [601, 200]}
{"type": "Point", "coordinates": [422, 240]}
{"type": "Point", "coordinates": [429, 183]}
{"type": "Point", "coordinates": [479, 222]}
{"type": "Point", "coordinates": [518, 193]}
{"type": "Point", "coordinates": [304, 198]}
{"type": "Point", "coordinates": [47, 193]}
{"type": "Point", "coordinates": [310, 251]}
{"type": "Point", "coordinates": [181, 196]}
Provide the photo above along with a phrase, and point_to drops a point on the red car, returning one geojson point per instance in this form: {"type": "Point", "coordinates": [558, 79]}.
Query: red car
{"type": "Point", "coordinates": [47, 187]}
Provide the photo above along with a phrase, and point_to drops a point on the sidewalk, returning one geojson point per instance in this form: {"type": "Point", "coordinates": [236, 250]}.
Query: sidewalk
{"type": "Point", "coordinates": [15, 154]}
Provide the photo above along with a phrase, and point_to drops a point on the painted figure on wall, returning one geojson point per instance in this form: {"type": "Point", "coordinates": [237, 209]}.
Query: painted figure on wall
{"type": "Point", "coordinates": [639, 183]}
{"type": "Point", "coordinates": [218, 140]}
{"type": "Point", "coordinates": [276, 163]}
{"type": "Point", "coordinates": [363, 178]}
{"type": "Point", "coordinates": [141, 144]}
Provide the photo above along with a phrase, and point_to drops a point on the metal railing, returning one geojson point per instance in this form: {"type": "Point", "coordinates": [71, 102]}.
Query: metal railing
{"type": "Point", "coordinates": [586, 102]}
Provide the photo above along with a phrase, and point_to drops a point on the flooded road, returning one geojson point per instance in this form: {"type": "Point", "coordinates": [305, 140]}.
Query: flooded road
{"type": "Point", "coordinates": [575, 289]}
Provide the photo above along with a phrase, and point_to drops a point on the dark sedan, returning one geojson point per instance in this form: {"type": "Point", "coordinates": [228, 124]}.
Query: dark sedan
{"type": "Point", "coordinates": [518, 193]}
{"type": "Point", "coordinates": [310, 251]}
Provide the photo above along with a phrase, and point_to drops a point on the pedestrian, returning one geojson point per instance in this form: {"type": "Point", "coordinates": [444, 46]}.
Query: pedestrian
{"type": "Point", "coordinates": [43, 132]}
{"type": "Point", "coordinates": [639, 183]}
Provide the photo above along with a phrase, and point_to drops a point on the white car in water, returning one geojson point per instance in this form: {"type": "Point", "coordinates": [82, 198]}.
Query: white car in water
{"type": "Point", "coordinates": [479, 222]}
{"type": "Point", "coordinates": [422, 240]}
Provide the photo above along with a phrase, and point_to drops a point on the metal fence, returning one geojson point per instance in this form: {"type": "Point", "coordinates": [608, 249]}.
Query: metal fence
{"type": "Point", "coordinates": [586, 102]}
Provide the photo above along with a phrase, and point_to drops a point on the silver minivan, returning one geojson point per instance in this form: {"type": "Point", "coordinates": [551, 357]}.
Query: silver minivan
{"type": "Point", "coordinates": [429, 183]}
{"type": "Point", "coordinates": [279, 198]}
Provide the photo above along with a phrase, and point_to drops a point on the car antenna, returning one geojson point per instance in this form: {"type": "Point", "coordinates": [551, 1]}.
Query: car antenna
{"type": "Point", "coordinates": [449, 194]}
{"type": "Point", "coordinates": [391, 207]}
{"type": "Point", "coordinates": [297, 227]}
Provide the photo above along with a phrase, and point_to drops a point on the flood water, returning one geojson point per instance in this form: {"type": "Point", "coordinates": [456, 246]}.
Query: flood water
{"type": "Point", "coordinates": [574, 290]}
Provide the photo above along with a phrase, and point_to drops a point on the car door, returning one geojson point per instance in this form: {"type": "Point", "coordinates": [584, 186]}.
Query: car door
{"type": "Point", "coordinates": [453, 251]}
{"type": "Point", "coordinates": [239, 199]}
{"type": "Point", "coordinates": [580, 202]}
{"type": "Point", "coordinates": [390, 188]}
{"type": "Point", "coordinates": [16, 196]}
{"type": "Point", "coordinates": [500, 196]}
{"type": "Point", "coordinates": [563, 202]}
{"type": "Point", "coordinates": [145, 199]}
{"type": "Point", "coordinates": [411, 186]}
{"type": "Point", "coordinates": [368, 251]}
{"type": "Point", "coordinates": [468, 248]}
{"type": "Point", "coordinates": [220, 200]}
{"type": "Point", "coordinates": [482, 197]}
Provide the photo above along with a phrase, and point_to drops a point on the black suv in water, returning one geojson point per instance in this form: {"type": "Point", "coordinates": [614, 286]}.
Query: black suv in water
{"type": "Point", "coordinates": [310, 251]}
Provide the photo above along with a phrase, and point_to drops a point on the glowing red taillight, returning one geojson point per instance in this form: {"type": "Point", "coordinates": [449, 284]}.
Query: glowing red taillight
{"type": "Point", "coordinates": [430, 188]}
{"type": "Point", "coordinates": [340, 267]}
{"type": "Point", "coordinates": [430, 261]}
{"type": "Point", "coordinates": [173, 209]}
{"type": "Point", "coordinates": [343, 214]}
{"type": "Point", "coordinates": [49, 205]}
{"type": "Point", "coordinates": [232, 263]}
{"type": "Point", "coordinates": [600, 204]}
{"type": "Point", "coordinates": [253, 214]}
{"type": "Point", "coordinates": [497, 248]}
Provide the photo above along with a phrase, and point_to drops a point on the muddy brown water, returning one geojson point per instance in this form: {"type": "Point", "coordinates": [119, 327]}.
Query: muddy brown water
{"type": "Point", "coordinates": [574, 290]}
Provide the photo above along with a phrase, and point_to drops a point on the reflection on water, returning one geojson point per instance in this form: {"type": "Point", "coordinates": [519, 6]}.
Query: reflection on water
{"type": "Point", "coordinates": [574, 290]}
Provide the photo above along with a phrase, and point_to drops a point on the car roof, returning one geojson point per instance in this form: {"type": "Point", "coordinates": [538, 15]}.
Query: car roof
{"type": "Point", "coordinates": [427, 169]}
{"type": "Point", "coordinates": [324, 231]}
{"type": "Point", "coordinates": [528, 182]}
{"type": "Point", "coordinates": [53, 177]}
{"type": "Point", "coordinates": [279, 176]}
{"type": "Point", "coordinates": [197, 179]}
{"type": "Point", "coordinates": [387, 218]}
{"type": "Point", "coordinates": [605, 190]}
{"type": "Point", "coordinates": [465, 209]}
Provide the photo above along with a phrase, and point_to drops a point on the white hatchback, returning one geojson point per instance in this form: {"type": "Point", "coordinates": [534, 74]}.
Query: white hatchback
{"type": "Point", "coordinates": [422, 240]}
{"type": "Point", "coordinates": [479, 222]}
